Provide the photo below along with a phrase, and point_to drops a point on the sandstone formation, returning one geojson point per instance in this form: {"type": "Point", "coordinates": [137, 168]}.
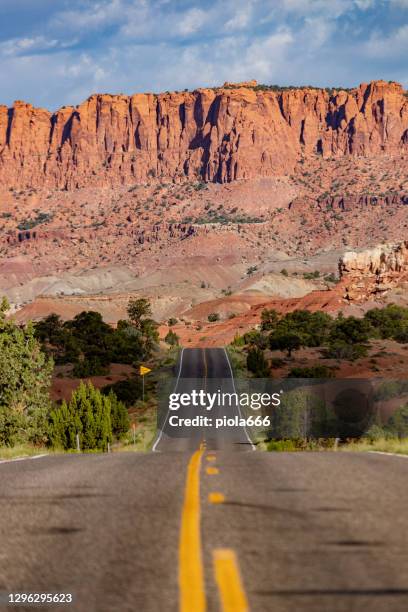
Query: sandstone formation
{"type": "Point", "coordinates": [348, 203]}
{"type": "Point", "coordinates": [247, 84]}
{"type": "Point", "coordinates": [217, 135]}
{"type": "Point", "coordinates": [370, 274]}
{"type": "Point", "coordinates": [159, 232]}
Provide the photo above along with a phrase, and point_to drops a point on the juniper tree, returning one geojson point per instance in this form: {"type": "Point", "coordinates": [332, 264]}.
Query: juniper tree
{"type": "Point", "coordinates": [25, 378]}
{"type": "Point", "coordinates": [88, 414]}
{"type": "Point", "coordinates": [119, 416]}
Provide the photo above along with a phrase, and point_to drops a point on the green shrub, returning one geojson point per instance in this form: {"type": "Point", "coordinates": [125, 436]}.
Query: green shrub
{"type": "Point", "coordinates": [317, 371]}
{"type": "Point", "coordinates": [200, 186]}
{"type": "Point", "coordinates": [283, 446]}
{"type": "Point", "coordinates": [389, 322]}
{"type": "Point", "coordinates": [343, 350]}
{"type": "Point", "coordinates": [29, 224]}
{"type": "Point", "coordinates": [397, 424]}
{"type": "Point", "coordinates": [276, 362]}
{"type": "Point", "coordinates": [127, 391]}
{"type": "Point", "coordinates": [223, 218]}
{"type": "Point", "coordinates": [25, 379]}
{"type": "Point", "coordinates": [213, 317]}
{"type": "Point", "coordinates": [331, 278]}
{"type": "Point", "coordinates": [88, 414]}
{"type": "Point", "coordinates": [119, 417]}
{"type": "Point", "coordinates": [11, 424]}
{"type": "Point", "coordinates": [256, 363]}
{"type": "Point", "coordinates": [348, 338]}
{"type": "Point", "coordinates": [290, 341]}
{"type": "Point", "coordinates": [269, 319]}
{"type": "Point", "coordinates": [256, 338]}
{"type": "Point", "coordinates": [88, 338]}
{"type": "Point", "coordinates": [89, 367]}
{"type": "Point", "coordinates": [238, 340]}
{"type": "Point", "coordinates": [391, 388]}
{"type": "Point", "coordinates": [251, 270]}
{"type": "Point", "coordinates": [172, 338]}
{"type": "Point", "coordinates": [313, 328]}
{"type": "Point", "coordinates": [311, 275]}
{"type": "Point", "coordinates": [401, 336]}
{"type": "Point", "coordinates": [350, 330]}
{"type": "Point", "coordinates": [376, 432]}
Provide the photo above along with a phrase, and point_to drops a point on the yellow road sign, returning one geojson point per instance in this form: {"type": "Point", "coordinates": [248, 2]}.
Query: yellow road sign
{"type": "Point", "coordinates": [143, 370]}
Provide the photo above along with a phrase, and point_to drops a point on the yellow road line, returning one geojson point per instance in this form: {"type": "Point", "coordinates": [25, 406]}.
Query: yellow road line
{"type": "Point", "coordinates": [228, 578]}
{"type": "Point", "coordinates": [205, 365]}
{"type": "Point", "coordinates": [191, 572]}
{"type": "Point", "coordinates": [212, 470]}
{"type": "Point", "coordinates": [216, 498]}
{"type": "Point", "coordinates": [211, 457]}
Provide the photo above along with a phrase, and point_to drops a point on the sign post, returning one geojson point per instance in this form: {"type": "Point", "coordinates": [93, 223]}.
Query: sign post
{"type": "Point", "coordinates": [143, 370]}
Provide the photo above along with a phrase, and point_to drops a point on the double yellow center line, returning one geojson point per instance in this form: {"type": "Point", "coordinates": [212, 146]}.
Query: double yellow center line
{"type": "Point", "coordinates": [191, 569]}
{"type": "Point", "coordinates": [232, 594]}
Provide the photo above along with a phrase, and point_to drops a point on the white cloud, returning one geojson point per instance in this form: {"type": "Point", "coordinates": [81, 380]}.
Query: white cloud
{"type": "Point", "coordinates": [93, 16]}
{"type": "Point", "coordinates": [263, 56]}
{"type": "Point", "coordinates": [19, 46]}
{"type": "Point", "coordinates": [394, 45]}
{"type": "Point", "coordinates": [241, 18]}
{"type": "Point", "coordinates": [316, 31]}
{"type": "Point", "coordinates": [192, 21]}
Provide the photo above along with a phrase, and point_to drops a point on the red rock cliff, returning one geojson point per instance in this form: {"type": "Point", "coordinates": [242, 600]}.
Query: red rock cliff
{"type": "Point", "coordinates": [217, 135]}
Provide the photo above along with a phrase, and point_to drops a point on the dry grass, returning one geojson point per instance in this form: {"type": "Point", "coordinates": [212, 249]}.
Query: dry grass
{"type": "Point", "coordinates": [142, 438]}
{"type": "Point", "coordinates": [384, 445]}
{"type": "Point", "coordinates": [20, 450]}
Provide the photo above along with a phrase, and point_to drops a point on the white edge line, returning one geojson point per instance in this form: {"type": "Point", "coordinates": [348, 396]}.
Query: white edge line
{"type": "Point", "coordinates": [23, 458]}
{"type": "Point", "coordinates": [235, 391]}
{"type": "Point", "coordinates": [390, 454]}
{"type": "Point", "coordinates": [168, 411]}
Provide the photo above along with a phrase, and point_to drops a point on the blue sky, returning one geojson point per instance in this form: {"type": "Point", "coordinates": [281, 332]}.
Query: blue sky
{"type": "Point", "coordinates": [56, 52]}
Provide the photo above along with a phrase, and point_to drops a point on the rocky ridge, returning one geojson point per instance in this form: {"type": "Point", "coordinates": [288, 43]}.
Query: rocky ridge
{"type": "Point", "coordinates": [237, 132]}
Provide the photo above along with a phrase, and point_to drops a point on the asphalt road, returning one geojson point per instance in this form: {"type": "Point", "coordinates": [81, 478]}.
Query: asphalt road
{"type": "Point", "coordinates": [208, 370]}
{"type": "Point", "coordinates": [314, 532]}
